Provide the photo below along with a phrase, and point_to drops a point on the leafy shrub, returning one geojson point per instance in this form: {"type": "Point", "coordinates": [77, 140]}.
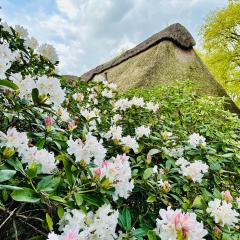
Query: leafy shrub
{"type": "Point", "coordinates": [78, 161]}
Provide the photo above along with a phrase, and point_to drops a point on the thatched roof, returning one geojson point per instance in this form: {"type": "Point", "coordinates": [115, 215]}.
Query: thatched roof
{"type": "Point", "coordinates": [176, 33]}
{"type": "Point", "coordinates": [164, 58]}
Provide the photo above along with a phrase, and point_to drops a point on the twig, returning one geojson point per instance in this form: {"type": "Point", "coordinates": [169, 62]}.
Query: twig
{"type": "Point", "coordinates": [26, 217]}
{"type": "Point", "coordinates": [15, 230]}
{"type": "Point", "coordinates": [9, 216]}
{"type": "Point", "coordinates": [31, 226]}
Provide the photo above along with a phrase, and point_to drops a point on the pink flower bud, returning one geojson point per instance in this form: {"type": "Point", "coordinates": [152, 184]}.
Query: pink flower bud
{"type": "Point", "coordinates": [48, 121]}
{"type": "Point", "coordinates": [149, 159]}
{"type": "Point", "coordinates": [226, 195]}
{"type": "Point", "coordinates": [72, 125]}
{"type": "Point", "coordinates": [98, 171]}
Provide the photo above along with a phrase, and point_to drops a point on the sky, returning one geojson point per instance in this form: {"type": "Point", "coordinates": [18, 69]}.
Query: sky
{"type": "Point", "coordinates": [87, 33]}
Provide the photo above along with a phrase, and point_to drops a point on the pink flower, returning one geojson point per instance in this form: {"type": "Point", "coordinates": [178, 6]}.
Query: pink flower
{"type": "Point", "coordinates": [226, 195]}
{"type": "Point", "coordinates": [71, 235]}
{"type": "Point", "coordinates": [98, 171]}
{"type": "Point", "coordinates": [181, 222]}
{"type": "Point", "coordinates": [48, 121]}
{"type": "Point", "coordinates": [72, 125]}
{"type": "Point", "coordinates": [174, 224]}
{"type": "Point", "coordinates": [105, 164]}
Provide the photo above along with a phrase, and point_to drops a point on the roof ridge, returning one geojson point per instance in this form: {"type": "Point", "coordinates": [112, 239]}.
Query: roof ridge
{"type": "Point", "coordinates": [176, 33]}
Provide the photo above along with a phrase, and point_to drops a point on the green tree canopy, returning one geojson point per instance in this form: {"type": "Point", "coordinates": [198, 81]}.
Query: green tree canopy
{"type": "Point", "coordinates": [221, 44]}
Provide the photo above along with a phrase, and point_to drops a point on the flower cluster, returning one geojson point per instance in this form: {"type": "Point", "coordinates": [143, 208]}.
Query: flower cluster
{"type": "Point", "coordinates": [197, 140]}
{"type": "Point", "coordinates": [6, 59]}
{"type": "Point", "coordinates": [194, 171]}
{"type": "Point", "coordinates": [175, 225]}
{"type": "Point", "coordinates": [75, 224]}
{"type": "Point", "coordinates": [118, 172]}
{"type": "Point", "coordinates": [46, 50]}
{"type": "Point", "coordinates": [29, 155]}
{"type": "Point", "coordinates": [48, 87]}
{"type": "Point", "coordinates": [86, 151]}
{"type": "Point", "coordinates": [222, 212]}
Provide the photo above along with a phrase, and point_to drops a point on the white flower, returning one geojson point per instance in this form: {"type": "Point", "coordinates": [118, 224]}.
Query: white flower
{"type": "Point", "coordinates": [138, 102]}
{"type": "Point", "coordinates": [105, 222]}
{"type": "Point", "coordinates": [50, 86]}
{"type": "Point", "coordinates": [142, 131]}
{"type": "Point", "coordinates": [165, 185]}
{"type": "Point", "coordinates": [6, 57]}
{"type": "Point", "coordinates": [194, 170]}
{"type": "Point", "coordinates": [6, 53]}
{"type": "Point", "coordinates": [129, 143]}
{"type": "Point", "coordinates": [4, 66]}
{"type": "Point", "coordinates": [182, 162]}
{"type": "Point", "coordinates": [155, 169]}
{"type": "Point", "coordinates": [49, 52]}
{"type": "Point", "coordinates": [31, 43]}
{"type": "Point", "coordinates": [152, 107]}
{"type": "Point", "coordinates": [90, 149]}
{"type": "Point", "coordinates": [174, 152]}
{"type": "Point", "coordinates": [115, 132]}
{"type": "Point", "coordinates": [76, 225]}
{"type": "Point", "coordinates": [13, 138]}
{"type": "Point", "coordinates": [122, 104]}
{"type": "Point", "coordinates": [166, 135]}
{"type": "Point", "coordinates": [176, 223]}
{"type": "Point", "coordinates": [116, 118]}
{"type": "Point", "coordinates": [43, 157]}
{"type": "Point", "coordinates": [197, 140]}
{"type": "Point", "coordinates": [6, 27]}
{"type": "Point", "coordinates": [25, 85]}
{"type": "Point", "coordinates": [78, 97]}
{"type": "Point", "coordinates": [112, 86]}
{"type": "Point", "coordinates": [238, 201]}
{"type": "Point", "coordinates": [107, 93]}
{"type": "Point", "coordinates": [89, 114]}
{"type": "Point", "coordinates": [222, 212]}
{"type": "Point", "coordinates": [118, 172]}
{"type": "Point", "coordinates": [63, 114]}
{"type": "Point", "coordinates": [21, 31]}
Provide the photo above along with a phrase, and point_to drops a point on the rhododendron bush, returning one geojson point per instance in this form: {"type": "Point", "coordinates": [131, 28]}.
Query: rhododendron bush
{"type": "Point", "coordinates": [79, 161]}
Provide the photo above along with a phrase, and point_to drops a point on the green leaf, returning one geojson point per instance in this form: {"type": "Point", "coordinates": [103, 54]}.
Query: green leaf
{"type": "Point", "coordinates": [197, 203]}
{"type": "Point", "coordinates": [151, 199]}
{"type": "Point", "coordinates": [151, 235]}
{"type": "Point", "coordinates": [48, 184]}
{"type": "Point", "coordinates": [10, 187]}
{"type": "Point", "coordinates": [139, 232]}
{"type": "Point", "coordinates": [49, 222]}
{"type": "Point", "coordinates": [92, 200]}
{"type": "Point", "coordinates": [69, 174]}
{"type": "Point", "coordinates": [169, 163]}
{"type": "Point", "coordinates": [57, 199]}
{"type": "Point", "coordinates": [60, 211]}
{"type": "Point", "coordinates": [17, 165]}
{"type": "Point", "coordinates": [125, 219]}
{"type": "Point", "coordinates": [78, 198]}
{"type": "Point", "coordinates": [217, 193]}
{"type": "Point", "coordinates": [6, 174]}
{"type": "Point", "coordinates": [25, 195]}
{"type": "Point", "coordinates": [35, 96]}
{"type": "Point", "coordinates": [8, 84]}
{"type": "Point", "coordinates": [153, 152]}
{"type": "Point", "coordinates": [33, 170]}
{"type": "Point", "coordinates": [147, 173]}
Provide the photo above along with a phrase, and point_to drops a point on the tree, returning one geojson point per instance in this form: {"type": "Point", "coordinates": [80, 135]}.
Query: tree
{"type": "Point", "coordinates": [221, 45]}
